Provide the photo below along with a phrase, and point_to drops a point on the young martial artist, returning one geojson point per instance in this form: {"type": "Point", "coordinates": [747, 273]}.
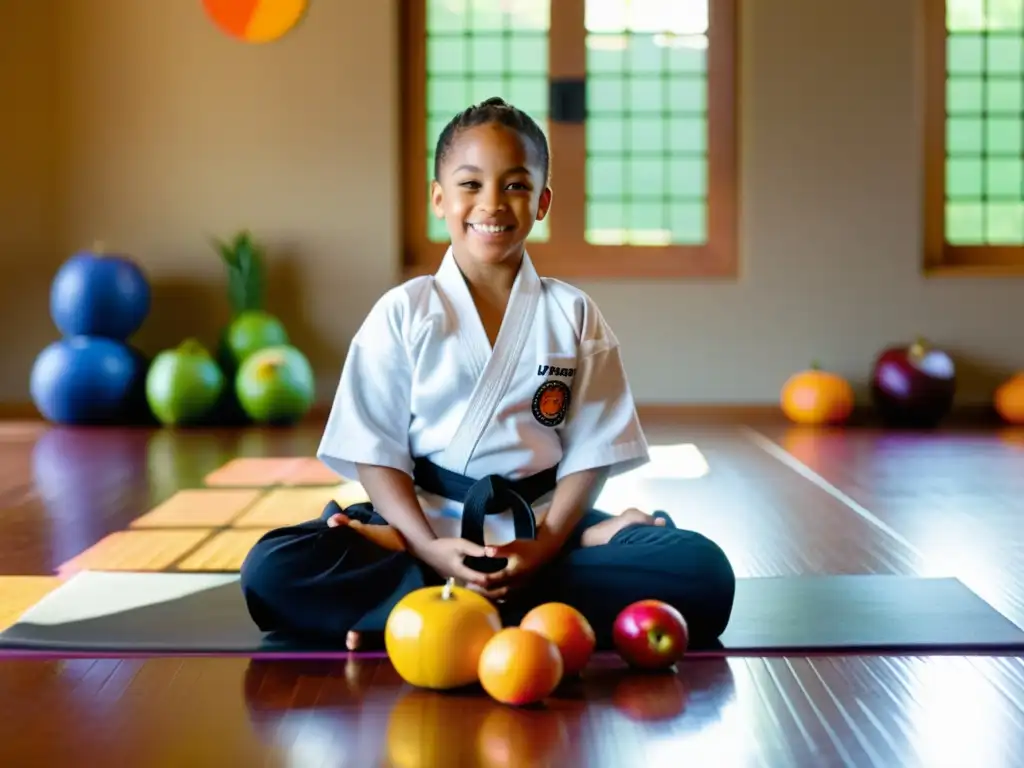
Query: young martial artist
{"type": "Point", "coordinates": [482, 408]}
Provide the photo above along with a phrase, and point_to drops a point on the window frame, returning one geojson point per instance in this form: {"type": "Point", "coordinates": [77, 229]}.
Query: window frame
{"type": "Point", "coordinates": [941, 258]}
{"type": "Point", "coordinates": [565, 254]}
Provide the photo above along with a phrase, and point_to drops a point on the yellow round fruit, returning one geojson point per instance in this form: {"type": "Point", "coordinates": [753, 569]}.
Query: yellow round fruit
{"type": "Point", "coordinates": [434, 636]}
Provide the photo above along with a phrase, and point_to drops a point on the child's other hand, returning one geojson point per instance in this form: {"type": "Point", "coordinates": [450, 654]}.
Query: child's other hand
{"type": "Point", "coordinates": [446, 556]}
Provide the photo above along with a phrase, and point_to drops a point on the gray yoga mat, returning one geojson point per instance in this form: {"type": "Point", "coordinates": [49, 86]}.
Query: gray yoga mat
{"type": "Point", "coordinates": [166, 613]}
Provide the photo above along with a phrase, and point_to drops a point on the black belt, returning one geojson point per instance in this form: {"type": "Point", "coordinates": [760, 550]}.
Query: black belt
{"type": "Point", "coordinates": [488, 495]}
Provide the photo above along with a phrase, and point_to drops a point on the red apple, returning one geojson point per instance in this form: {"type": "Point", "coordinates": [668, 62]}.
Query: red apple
{"type": "Point", "coordinates": [913, 386]}
{"type": "Point", "coordinates": [650, 634]}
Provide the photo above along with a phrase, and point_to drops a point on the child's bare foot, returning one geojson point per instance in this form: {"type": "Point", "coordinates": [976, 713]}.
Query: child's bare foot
{"type": "Point", "coordinates": [600, 534]}
{"type": "Point", "coordinates": [382, 535]}
{"type": "Point", "coordinates": [364, 641]}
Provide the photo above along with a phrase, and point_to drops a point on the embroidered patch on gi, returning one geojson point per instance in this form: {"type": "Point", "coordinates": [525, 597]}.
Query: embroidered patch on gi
{"type": "Point", "coordinates": [551, 403]}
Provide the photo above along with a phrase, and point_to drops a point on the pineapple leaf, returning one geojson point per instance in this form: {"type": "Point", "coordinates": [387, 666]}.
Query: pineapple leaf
{"type": "Point", "coordinates": [225, 250]}
{"type": "Point", "coordinates": [243, 259]}
{"type": "Point", "coordinates": [236, 293]}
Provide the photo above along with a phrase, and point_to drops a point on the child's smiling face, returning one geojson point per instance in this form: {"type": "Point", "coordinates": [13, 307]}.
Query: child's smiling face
{"type": "Point", "coordinates": [490, 192]}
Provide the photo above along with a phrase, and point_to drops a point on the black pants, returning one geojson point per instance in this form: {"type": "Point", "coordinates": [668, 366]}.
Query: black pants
{"type": "Point", "coordinates": [311, 581]}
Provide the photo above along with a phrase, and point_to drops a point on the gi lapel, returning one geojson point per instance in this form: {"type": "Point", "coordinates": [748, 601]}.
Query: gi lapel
{"type": "Point", "coordinates": [472, 336]}
{"type": "Point", "coordinates": [498, 366]}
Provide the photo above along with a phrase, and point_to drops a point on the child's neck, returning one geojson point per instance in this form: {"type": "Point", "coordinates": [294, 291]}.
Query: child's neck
{"type": "Point", "coordinates": [493, 281]}
{"type": "Point", "coordinates": [491, 288]}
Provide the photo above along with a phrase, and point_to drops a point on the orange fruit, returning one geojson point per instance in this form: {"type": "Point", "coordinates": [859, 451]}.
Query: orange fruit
{"type": "Point", "coordinates": [1009, 399]}
{"type": "Point", "coordinates": [568, 629]}
{"type": "Point", "coordinates": [520, 667]}
{"type": "Point", "coordinates": [817, 397]}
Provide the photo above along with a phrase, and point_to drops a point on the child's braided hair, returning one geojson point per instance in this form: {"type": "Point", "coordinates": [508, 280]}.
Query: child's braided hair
{"type": "Point", "coordinates": [493, 110]}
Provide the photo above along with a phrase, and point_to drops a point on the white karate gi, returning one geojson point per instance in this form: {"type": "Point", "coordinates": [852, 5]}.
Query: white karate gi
{"type": "Point", "coordinates": [421, 380]}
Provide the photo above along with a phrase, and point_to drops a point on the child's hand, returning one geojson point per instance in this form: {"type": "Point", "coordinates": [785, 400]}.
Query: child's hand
{"type": "Point", "coordinates": [384, 536]}
{"type": "Point", "coordinates": [525, 557]}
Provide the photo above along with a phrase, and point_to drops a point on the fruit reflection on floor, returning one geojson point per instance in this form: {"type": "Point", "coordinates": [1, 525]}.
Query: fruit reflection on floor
{"type": "Point", "coordinates": [432, 728]}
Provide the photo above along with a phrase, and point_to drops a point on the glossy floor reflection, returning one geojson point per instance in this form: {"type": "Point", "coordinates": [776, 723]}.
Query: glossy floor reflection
{"type": "Point", "coordinates": [844, 711]}
{"type": "Point", "coordinates": [938, 504]}
{"type": "Point", "coordinates": [956, 501]}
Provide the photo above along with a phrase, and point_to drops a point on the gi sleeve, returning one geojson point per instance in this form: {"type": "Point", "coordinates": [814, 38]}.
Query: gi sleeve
{"type": "Point", "coordinates": [370, 415]}
{"type": "Point", "coordinates": [602, 429]}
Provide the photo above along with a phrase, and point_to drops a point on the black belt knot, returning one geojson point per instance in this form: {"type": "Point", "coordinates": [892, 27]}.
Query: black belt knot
{"type": "Point", "coordinates": [489, 495]}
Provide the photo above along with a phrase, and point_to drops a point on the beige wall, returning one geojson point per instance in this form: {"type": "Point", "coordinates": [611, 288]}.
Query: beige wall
{"type": "Point", "coordinates": [161, 132]}
{"type": "Point", "coordinates": [28, 216]}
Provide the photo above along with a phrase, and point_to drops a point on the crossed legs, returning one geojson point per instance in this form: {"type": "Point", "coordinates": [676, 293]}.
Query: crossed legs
{"type": "Point", "coordinates": [326, 580]}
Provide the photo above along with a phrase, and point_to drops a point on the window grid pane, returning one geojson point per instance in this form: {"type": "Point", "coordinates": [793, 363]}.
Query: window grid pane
{"type": "Point", "coordinates": [985, 122]}
{"type": "Point", "coordinates": [477, 49]}
{"type": "Point", "coordinates": [647, 162]}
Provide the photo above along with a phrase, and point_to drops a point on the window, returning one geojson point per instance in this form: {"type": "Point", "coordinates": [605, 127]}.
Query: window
{"type": "Point", "coordinates": [645, 183]}
{"type": "Point", "coordinates": [974, 140]}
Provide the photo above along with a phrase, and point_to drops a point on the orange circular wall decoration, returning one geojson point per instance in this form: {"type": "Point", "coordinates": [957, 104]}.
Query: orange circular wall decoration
{"type": "Point", "coordinates": [256, 21]}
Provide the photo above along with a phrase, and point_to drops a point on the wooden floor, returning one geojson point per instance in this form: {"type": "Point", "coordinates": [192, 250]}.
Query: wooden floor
{"type": "Point", "coordinates": [780, 500]}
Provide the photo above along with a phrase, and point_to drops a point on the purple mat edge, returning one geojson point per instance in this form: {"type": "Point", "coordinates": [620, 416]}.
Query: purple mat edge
{"type": "Point", "coordinates": [1015, 651]}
